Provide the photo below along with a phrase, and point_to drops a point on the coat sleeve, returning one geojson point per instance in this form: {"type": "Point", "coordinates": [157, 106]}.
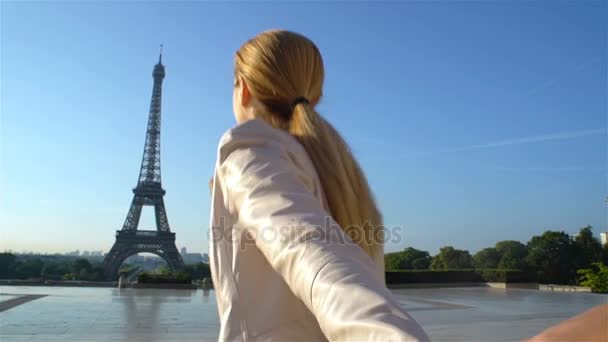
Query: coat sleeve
{"type": "Point", "coordinates": [333, 277]}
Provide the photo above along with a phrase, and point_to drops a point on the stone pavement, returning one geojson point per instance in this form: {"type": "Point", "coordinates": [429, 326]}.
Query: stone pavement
{"type": "Point", "coordinates": [106, 314]}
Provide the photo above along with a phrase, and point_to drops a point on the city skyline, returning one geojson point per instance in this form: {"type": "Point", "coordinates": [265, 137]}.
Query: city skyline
{"type": "Point", "coordinates": [189, 256]}
{"type": "Point", "coordinates": [474, 123]}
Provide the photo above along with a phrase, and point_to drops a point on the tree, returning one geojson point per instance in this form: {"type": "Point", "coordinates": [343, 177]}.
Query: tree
{"type": "Point", "coordinates": [552, 255]}
{"type": "Point", "coordinates": [164, 270]}
{"type": "Point", "coordinates": [81, 265]}
{"type": "Point", "coordinates": [451, 258]}
{"type": "Point", "coordinates": [55, 271]}
{"type": "Point", "coordinates": [596, 277]}
{"type": "Point", "coordinates": [29, 268]}
{"type": "Point", "coordinates": [7, 265]}
{"type": "Point", "coordinates": [512, 255]}
{"type": "Point", "coordinates": [588, 248]}
{"type": "Point", "coordinates": [604, 254]}
{"type": "Point", "coordinates": [422, 263]}
{"type": "Point", "coordinates": [415, 259]}
{"type": "Point", "coordinates": [127, 269]}
{"type": "Point", "coordinates": [80, 269]}
{"type": "Point", "coordinates": [201, 270]}
{"type": "Point", "coordinates": [486, 258]}
{"type": "Point", "coordinates": [97, 273]}
{"type": "Point", "coordinates": [393, 261]}
{"type": "Point", "coordinates": [184, 277]}
{"type": "Point", "coordinates": [408, 259]}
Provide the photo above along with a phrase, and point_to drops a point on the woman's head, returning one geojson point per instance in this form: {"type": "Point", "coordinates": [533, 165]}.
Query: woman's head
{"type": "Point", "coordinates": [279, 79]}
{"type": "Point", "coordinates": [271, 71]}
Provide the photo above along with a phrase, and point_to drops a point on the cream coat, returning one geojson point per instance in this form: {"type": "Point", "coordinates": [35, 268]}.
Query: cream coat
{"type": "Point", "coordinates": [281, 267]}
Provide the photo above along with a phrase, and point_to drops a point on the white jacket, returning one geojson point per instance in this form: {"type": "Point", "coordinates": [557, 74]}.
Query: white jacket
{"type": "Point", "coordinates": [281, 267]}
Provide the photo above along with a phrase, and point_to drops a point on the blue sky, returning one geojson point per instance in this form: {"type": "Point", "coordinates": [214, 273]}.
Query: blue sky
{"type": "Point", "coordinates": [475, 122]}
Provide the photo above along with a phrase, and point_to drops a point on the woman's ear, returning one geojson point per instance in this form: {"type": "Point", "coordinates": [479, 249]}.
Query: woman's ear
{"type": "Point", "coordinates": [245, 94]}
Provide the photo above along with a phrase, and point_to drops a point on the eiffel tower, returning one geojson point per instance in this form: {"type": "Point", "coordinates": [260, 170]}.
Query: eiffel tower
{"type": "Point", "coordinates": [148, 192]}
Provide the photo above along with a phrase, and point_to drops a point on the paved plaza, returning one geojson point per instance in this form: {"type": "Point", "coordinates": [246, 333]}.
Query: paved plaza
{"type": "Point", "coordinates": [106, 314]}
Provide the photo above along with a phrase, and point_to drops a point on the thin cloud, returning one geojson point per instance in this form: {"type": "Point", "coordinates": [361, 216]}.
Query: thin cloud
{"type": "Point", "coordinates": [556, 168]}
{"type": "Point", "coordinates": [535, 139]}
{"type": "Point", "coordinates": [389, 145]}
{"type": "Point", "coordinates": [561, 77]}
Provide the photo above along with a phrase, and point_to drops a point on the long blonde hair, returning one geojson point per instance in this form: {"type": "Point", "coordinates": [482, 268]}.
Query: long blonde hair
{"type": "Point", "coordinates": [279, 67]}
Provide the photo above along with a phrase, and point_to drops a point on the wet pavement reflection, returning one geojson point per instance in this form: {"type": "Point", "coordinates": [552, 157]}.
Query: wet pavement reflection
{"type": "Point", "coordinates": [107, 314]}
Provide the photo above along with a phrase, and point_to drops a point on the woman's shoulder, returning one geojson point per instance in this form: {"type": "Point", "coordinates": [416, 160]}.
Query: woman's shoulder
{"type": "Point", "coordinates": [255, 145]}
{"type": "Point", "coordinates": [256, 134]}
{"type": "Point", "coordinates": [254, 150]}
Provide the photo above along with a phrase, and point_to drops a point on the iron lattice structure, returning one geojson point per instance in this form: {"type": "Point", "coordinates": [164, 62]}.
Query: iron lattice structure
{"type": "Point", "coordinates": [148, 192]}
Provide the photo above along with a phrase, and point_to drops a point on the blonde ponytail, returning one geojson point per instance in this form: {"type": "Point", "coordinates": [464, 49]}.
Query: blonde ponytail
{"type": "Point", "coordinates": [348, 195]}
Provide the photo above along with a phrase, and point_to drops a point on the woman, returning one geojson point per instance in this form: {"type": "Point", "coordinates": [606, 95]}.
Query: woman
{"type": "Point", "coordinates": [296, 243]}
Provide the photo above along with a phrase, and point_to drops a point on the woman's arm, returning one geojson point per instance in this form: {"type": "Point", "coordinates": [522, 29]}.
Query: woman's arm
{"type": "Point", "coordinates": [334, 277]}
{"type": "Point", "coordinates": [591, 325]}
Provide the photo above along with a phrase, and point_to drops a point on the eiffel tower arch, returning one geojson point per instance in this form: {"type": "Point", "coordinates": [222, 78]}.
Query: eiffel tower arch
{"type": "Point", "coordinates": [148, 192]}
{"type": "Point", "coordinates": [141, 241]}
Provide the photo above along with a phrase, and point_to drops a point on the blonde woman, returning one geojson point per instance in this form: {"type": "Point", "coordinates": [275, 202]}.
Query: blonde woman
{"type": "Point", "coordinates": [296, 244]}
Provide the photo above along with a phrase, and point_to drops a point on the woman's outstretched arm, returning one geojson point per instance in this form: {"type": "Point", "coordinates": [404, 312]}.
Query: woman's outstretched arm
{"type": "Point", "coordinates": [590, 326]}
{"type": "Point", "coordinates": [333, 276]}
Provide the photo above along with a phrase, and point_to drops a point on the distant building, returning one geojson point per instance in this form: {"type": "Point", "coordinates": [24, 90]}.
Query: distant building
{"type": "Point", "coordinates": [206, 258]}
{"type": "Point", "coordinates": [193, 258]}
{"type": "Point", "coordinates": [604, 238]}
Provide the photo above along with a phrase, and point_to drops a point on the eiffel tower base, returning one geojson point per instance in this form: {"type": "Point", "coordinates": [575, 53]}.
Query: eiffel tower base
{"type": "Point", "coordinates": [141, 241]}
